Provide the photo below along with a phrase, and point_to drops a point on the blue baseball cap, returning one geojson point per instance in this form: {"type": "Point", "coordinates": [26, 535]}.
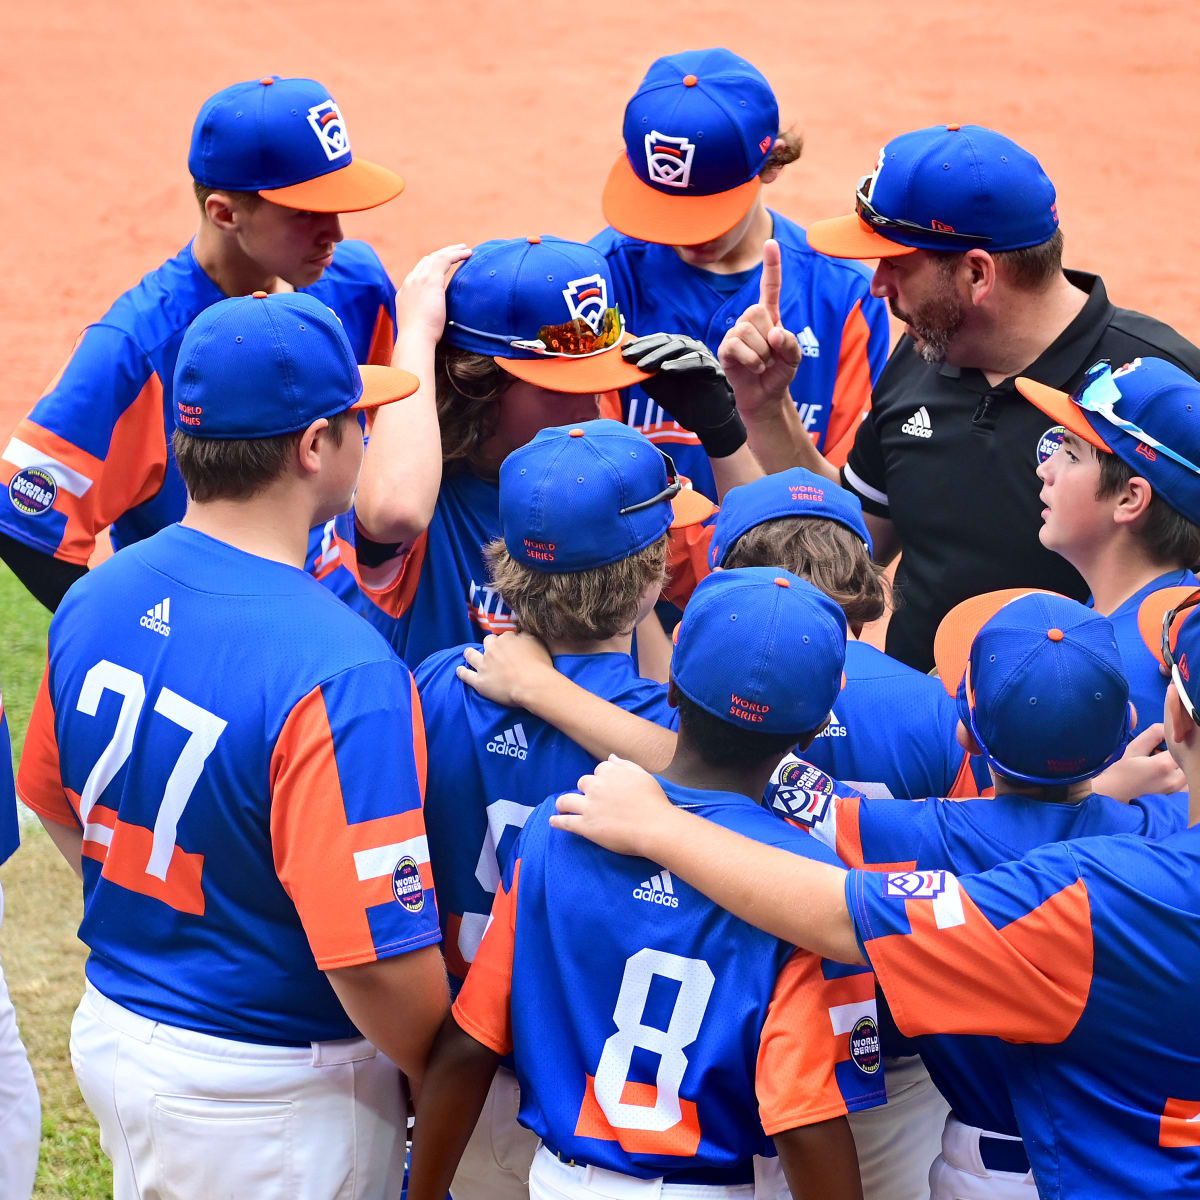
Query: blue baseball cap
{"type": "Point", "coordinates": [1169, 625]}
{"type": "Point", "coordinates": [950, 187]}
{"type": "Point", "coordinates": [545, 310]}
{"type": "Point", "coordinates": [584, 496]}
{"type": "Point", "coordinates": [1039, 683]}
{"type": "Point", "coordinates": [261, 366]}
{"type": "Point", "coordinates": [762, 649]}
{"type": "Point", "coordinates": [697, 133]}
{"type": "Point", "coordinates": [791, 493]}
{"type": "Point", "coordinates": [287, 140]}
{"type": "Point", "coordinates": [1147, 413]}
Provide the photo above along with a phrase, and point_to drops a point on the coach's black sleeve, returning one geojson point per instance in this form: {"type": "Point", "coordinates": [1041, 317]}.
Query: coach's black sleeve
{"type": "Point", "coordinates": [45, 577]}
{"type": "Point", "coordinates": [864, 473]}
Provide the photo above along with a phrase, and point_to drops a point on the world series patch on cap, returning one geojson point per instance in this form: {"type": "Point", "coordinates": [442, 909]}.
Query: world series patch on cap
{"type": "Point", "coordinates": [287, 140]}
{"type": "Point", "coordinates": [762, 649]}
{"type": "Point", "coordinates": [697, 133]}
{"type": "Point", "coordinates": [1039, 683]}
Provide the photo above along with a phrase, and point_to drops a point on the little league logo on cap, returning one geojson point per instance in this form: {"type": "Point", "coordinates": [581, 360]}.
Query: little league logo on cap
{"type": "Point", "coordinates": [263, 366]}
{"type": "Point", "coordinates": [287, 140]}
{"type": "Point", "coordinates": [792, 493]}
{"type": "Point", "coordinates": [949, 187]}
{"type": "Point", "coordinates": [540, 306]}
{"type": "Point", "coordinates": [1146, 412]}
{"type": "Point", "coordinates": [1039, 682]}
{"type": "Point", "coordinates": [579, 497]}
{"type": "Point", "coordinates": [761, 649]}
{"type": "Point", "coordinates": [697, 133]}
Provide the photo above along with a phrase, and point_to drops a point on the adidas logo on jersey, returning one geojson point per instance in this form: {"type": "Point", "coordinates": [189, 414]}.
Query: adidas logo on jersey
{"type": "Point", "coordinates": [658, 889]}
{"type": "Point", "coordinates": [834, 729]}
{"type": "Point", "coordinates": [511, 743]}
{"type": "Point", "coordinates": [809, 346]}
{"type": "Point", "coordinates": [158, 618]}
{"type": "Point", "coordinates": [918, 425]}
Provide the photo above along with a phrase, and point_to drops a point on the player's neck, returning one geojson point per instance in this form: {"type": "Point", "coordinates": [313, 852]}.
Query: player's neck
{"type": "Point", "coordinates": [271, 525]}
{"type": "Point", "coordinates": [621, 643]}
{"type": "Point", "coordinates": [222, 260]}
{"type": "Point", "coordinates": [745, 254]}
{"type": "Point", "coordinates": [689, 770]}
{"type": "Point", "coordinates": [1117, 570]}
{"type": "Point", "coordinates": [1075, 792]}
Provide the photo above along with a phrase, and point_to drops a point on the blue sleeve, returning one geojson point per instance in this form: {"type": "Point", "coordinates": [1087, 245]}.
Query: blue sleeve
{"type": "Point", "coordinates": [892, 832]}
{"type": "Point", "coordinates": [1162, 813]}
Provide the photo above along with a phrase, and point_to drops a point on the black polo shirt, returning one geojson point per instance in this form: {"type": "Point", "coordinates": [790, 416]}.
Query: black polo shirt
{"type": "Point", "coordinates": [951, 460]}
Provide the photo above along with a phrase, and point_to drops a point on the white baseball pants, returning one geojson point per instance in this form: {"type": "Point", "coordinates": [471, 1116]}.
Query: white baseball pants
{"type": "Point", "coordinates": [20, 1108]}
{"type": "Point", "coordinates": [959, 1172]}
{"type": "Point", "coordinates": [496, 1162]}
{"type": "Point", "coordinates": [550, 1179]}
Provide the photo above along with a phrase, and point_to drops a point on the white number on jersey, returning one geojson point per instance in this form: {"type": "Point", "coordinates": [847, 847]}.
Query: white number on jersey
{"type": "Point", "coordinates": [695, 980]}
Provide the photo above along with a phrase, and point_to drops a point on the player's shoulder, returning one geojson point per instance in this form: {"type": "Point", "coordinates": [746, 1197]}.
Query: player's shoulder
{"type": "Point", "coordinates": [866, 664]}
{"type": "Point", "coordinates": [1149, 337]}
{"type": "Point", "coordinates": [794, 246]}
{"type": "Point", "coordinates": [437, 681]}
{"type": "Point", "coordinates": [609, 242]}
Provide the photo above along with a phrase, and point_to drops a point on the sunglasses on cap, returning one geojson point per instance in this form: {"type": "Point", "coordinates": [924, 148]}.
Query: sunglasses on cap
{"type": "Point", "coordinates": [1180, 672]}
{"type": "Point", "coordinates": [673, 488]}
{"type": "Point", "coordinates": [1098, 392]}
{"type": "Point", "coordinates": [571, 339]}
{"type": "Point", "coordinates": [870, 215]}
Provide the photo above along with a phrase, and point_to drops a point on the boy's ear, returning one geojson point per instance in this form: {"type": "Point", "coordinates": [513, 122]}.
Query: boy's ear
{"type": "Point", "coordinates": [672, 693]}
{"type": "Point", "coordinates": [1133, 502]}
{"type": "Point", "coordinates": [966, 739]}
{"type": "Point", "coordinates": [804, 743]}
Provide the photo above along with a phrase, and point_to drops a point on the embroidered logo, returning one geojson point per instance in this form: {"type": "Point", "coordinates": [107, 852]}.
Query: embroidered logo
{"type": "Point", "coordinates": [327, 123]}
{"type": "Point", "coordinates": [669, 159]}
{"type": "Point", "coordinates": [587, 299]}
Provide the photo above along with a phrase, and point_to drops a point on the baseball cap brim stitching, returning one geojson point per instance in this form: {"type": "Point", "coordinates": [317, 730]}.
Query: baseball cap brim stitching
{"type": "Point", "coordinates": [357, 186]}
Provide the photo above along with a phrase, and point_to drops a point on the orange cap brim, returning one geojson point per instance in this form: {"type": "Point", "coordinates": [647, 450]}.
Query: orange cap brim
{"type": "Point", "coordinates": [961, 625]}
{"type": "Point", "coordinates": [1058, 406]}
{"type": "Point", "coordinates": [640, 211]}
{"type": "Point", "coordinates": [352, 188]}
{"type": "Point", "coordinates": [851, 237]}
{"type": "Point", "coordinates": [603, 372]}
{"type": "Point", "coordinates": [383, 385]}
{"type": "Point", "coordinates": [691, 508]}
{"type": "Point", "coordinates": [1151, 613]}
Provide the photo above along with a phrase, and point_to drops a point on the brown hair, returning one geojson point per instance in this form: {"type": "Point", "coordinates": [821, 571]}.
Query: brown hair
{"type": "Point", "coordinates": [239, 468]}
{"type": "Point", "coordinates": [825, 553]}
{"type": "Point", "coordinates": [1168, 535]}
{"type": "Point", "coordinates": [780, 156]}
{"type": "Point", "coordinates": [1032, 269]}
{"type": "Point", "coordinates": [578, 606]}
{"type": "Point", "coordinates": [467, 387]}
{"type": "Point", "coordinates": [245, 199]}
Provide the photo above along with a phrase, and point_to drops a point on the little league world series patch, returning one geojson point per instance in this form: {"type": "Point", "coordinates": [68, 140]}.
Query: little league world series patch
{"type": "Point", "coordinates": [802, 793]}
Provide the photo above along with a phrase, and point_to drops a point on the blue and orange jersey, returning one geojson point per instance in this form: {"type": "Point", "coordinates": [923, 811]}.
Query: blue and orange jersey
{"type": "Point", "coordinates": [244, 757]}
{"type": "Point", "coordinates": [10, 833]}
{"type": "Point", "coordinates": [490, 767]}
{"type": "Point", "coordinates": [96, 449]}
{"type": "Point", "coordinates": [842, 329]}
{"type": "Point", "coordinates": [653, 1033]}
{"type": "Point", "coordinates": [1084, 956]}
{"type": "Point", "coordinates": [1147, 684]}
{"type": "Point", "coordinates": [967, 836]}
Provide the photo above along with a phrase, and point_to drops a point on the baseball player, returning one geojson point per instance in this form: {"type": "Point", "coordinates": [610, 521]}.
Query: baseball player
{"type": "Point", "coordinates": [685, 246]}
{"type": "Point", "coordinates": [656, 1038]}
{"type": "Point", "coordinates": [272, 168]}
{"type": "Point", "coordinates": [233, 762]}
{"type": "Point", "coordinates": [20, 1108]}
{"type": "Point", "coordinates": [1121, 488]}
{"type": "Point", "coordinates": [584, 512]}
{"type": "Point", "coordinates": [526, 335]}
{"type": "Point", "coordinates": [1077, 955]}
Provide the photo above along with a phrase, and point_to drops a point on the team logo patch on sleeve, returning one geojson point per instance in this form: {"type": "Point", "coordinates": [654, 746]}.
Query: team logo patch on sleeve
{"type": "Point", "coordinates": [669, 159]}
{"type": "Point", "coordinates": [914, 885]}
{"type": "Point", "coordinates": [1049, 442]}
{"type": "Point", "coordinates": [802, 793]}
{"type": "Point", "coordinates": [407, 886]}
{"type": "Point", "coordinates": [32, 491]}
{"type": "Point", "coordinates": [864, 1046]}
{"type": "Point", "coordinates": [326, 121]}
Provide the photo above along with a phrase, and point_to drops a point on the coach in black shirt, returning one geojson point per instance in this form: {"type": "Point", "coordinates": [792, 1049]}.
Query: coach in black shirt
{"type": "Point", "coordinates": [964, 225]}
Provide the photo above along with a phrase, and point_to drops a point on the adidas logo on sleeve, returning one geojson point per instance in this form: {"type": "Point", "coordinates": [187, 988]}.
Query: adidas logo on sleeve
{"type": "Point", "coordinates": [510, 744]}
{"type": "Point", "coordinates": [658, 889]}
{"type": "Point", "coordinates": [918, 425]}
{"type": "Point", "coordinates": [158, 618]}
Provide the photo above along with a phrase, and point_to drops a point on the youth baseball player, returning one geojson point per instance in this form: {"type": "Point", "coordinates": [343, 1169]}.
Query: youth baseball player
{"type": "Point", "coordinates": [584, 512]}
{"type": "Point", "coordinates": [656, 1038]}
{"type": "Point", "coordinates": [20, 1107]}
{"type": "Point", "coordinates": [685, 246]}
{"type": "Point", "coordinates": [1077, 955]}
{"type": "Point", "coordinates": [272, 167]}
{"type": "Point", "coordinates": [233, 761]}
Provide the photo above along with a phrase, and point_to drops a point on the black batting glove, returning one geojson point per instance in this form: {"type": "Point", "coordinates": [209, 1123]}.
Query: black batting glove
{"type": "Point", "coordinates": [688, 382]}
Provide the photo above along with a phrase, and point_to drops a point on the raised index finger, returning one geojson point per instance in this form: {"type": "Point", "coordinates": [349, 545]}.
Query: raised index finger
{"type": "Point", "coordinates": [772, 280]}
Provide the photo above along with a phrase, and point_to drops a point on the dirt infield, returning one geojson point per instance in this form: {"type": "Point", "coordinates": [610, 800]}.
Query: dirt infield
{"type": "Point", "coordinates": [505, 118]}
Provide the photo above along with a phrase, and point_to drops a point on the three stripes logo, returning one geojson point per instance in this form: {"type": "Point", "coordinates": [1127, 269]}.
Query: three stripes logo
{"type": "Point", "coordinates": [158, 618]}
{"type": "Point", "coordinates": [810, 347]}
{"type": "Point", "coordinates": [918, 425]}
{"type": "Point", "coordinates": [510, 744]}
{"type": "Point", "coordinates": [658, 889]}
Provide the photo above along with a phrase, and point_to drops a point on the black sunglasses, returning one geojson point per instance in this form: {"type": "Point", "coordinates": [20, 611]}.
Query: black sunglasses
{"type": "Point", "coordinates": [1178, 667]}
{"type": "Point", "coordinates": [877, 220]}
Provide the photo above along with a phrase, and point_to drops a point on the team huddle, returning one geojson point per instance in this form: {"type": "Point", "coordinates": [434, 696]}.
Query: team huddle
{"type": "Point", "coordinates": [477, 779]}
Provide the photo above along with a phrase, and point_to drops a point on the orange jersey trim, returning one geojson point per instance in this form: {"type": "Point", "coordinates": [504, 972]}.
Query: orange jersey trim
{"type": "Point", "coordinates": [852, 388]}
{"type": "Point", "coordinates": [1180, 1125]}
{"type": "Point", "coordinates": [681, 1140]}
{"type": "Point", "coordinates": [687, 562]}
{"type": "Point", "coordinates": [849, 846]}
{"type": "Point", "coordinates": [39, 778]}
{"type": "Point", "coordinates": [383, 340]}
{"type": "Point", "coordinates": [484, 1006]}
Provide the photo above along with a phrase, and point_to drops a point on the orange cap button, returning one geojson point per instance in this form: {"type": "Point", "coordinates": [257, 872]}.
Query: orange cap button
{"type": "Point", "coordinates": [781, 582]}
{"type": "Point", "coordinates": [266, 81]}
{"type": "Point", "coordinates": [534, 239]}
{"type": "Point", "coordinates": [953, 128]}
{"type": "Point", "coordinates": [259, 295]}
{"type": "Point", "coordinates": [690, 81]}
{"type": "Point", "coordinates": [1055, 635]}
{"type": "Point", "coordinates": [575, 433]}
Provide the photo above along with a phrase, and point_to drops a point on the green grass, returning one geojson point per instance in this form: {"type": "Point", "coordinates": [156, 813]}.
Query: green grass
{"type": "Point", "coordinates": [43, 959]}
